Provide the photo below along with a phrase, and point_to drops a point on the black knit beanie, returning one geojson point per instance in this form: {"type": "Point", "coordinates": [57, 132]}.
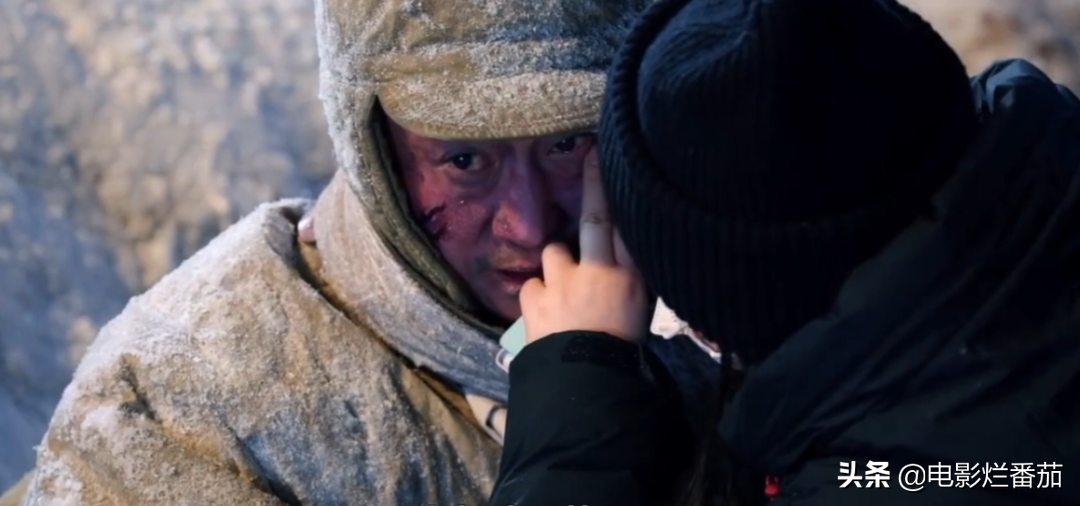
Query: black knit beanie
{"type": "Point", "coordinates": [755, 152]}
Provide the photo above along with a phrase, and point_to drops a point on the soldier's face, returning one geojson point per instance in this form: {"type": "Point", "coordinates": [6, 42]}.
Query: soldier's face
{"type": "Point", "coordinates": [492, 206]}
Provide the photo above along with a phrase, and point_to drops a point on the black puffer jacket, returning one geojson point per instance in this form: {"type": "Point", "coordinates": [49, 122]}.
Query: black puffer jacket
{"type": "Point", "coordinates": [958, 346]}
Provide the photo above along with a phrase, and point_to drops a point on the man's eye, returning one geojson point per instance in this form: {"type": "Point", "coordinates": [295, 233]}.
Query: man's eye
{"type": "Point", "coordinates": [569, 144]}
{"type": "Point", "coordinates": [465, 161]}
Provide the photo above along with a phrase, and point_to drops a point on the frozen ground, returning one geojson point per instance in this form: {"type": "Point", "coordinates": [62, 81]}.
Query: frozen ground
{"type": "Point", "coordinates": [132, 131]}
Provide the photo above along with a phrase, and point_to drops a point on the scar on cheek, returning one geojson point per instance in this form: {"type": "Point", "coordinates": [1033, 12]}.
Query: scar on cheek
{"type": "Point", "coordinates": [431, 219]}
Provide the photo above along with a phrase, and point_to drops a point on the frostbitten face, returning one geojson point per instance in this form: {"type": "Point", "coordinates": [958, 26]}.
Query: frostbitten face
{"type": "Point", "coordinates": [492, 206]}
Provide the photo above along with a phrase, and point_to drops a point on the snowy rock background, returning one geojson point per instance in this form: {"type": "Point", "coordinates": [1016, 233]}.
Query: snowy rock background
{"type": "Point", "coordinates": [1046, 32]}
{"type": "Point", "coordinates": [133, 131]}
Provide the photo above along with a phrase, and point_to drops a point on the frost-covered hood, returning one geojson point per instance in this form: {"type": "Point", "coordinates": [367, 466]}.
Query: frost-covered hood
{"type": "Point", "coordinates": [455, 69]}
{"type": "Point", "coordinates": [460, 69]}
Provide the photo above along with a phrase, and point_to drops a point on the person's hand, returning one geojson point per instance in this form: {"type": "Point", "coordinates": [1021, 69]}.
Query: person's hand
{"type": "Point", "coordinates": [601, 293]}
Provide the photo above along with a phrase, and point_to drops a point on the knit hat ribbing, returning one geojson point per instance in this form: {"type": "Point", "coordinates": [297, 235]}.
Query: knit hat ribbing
{"type": "Point", "coordinates": [756, 151]}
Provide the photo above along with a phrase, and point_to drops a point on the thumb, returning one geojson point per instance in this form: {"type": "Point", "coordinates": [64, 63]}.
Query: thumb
{"type": "Point", "coordinates": [530, 293]}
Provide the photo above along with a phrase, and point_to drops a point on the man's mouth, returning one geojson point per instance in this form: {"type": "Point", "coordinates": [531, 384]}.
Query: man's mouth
{"type": "Point", "coordinates": [516, 277]}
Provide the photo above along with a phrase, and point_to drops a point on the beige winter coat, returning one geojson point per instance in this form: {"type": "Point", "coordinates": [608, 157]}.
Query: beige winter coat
{"type": "Point", "coordinates": [234, 381]}
{"type": "Point", "coordinates": [263, 372]}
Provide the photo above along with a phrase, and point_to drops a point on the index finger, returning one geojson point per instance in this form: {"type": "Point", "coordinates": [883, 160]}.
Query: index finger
{"type": "Point", "coordinates": [596, 230]}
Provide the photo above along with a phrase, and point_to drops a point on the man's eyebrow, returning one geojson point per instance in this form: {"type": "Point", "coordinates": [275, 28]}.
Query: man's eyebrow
{"type": "Point", "coordinates": [436, 148]}
{"type": "Point", "coordinates": [576, 132]}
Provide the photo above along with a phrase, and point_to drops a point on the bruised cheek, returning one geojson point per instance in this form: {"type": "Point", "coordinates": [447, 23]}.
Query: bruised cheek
{"type": "Point", "coordinates": [463, 221]}
{"type": "Point", "coordinates": [449, 219]}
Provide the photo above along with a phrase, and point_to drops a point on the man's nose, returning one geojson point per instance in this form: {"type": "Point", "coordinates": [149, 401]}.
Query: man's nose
{"type": "Point", "coordinates": [527, 215]}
